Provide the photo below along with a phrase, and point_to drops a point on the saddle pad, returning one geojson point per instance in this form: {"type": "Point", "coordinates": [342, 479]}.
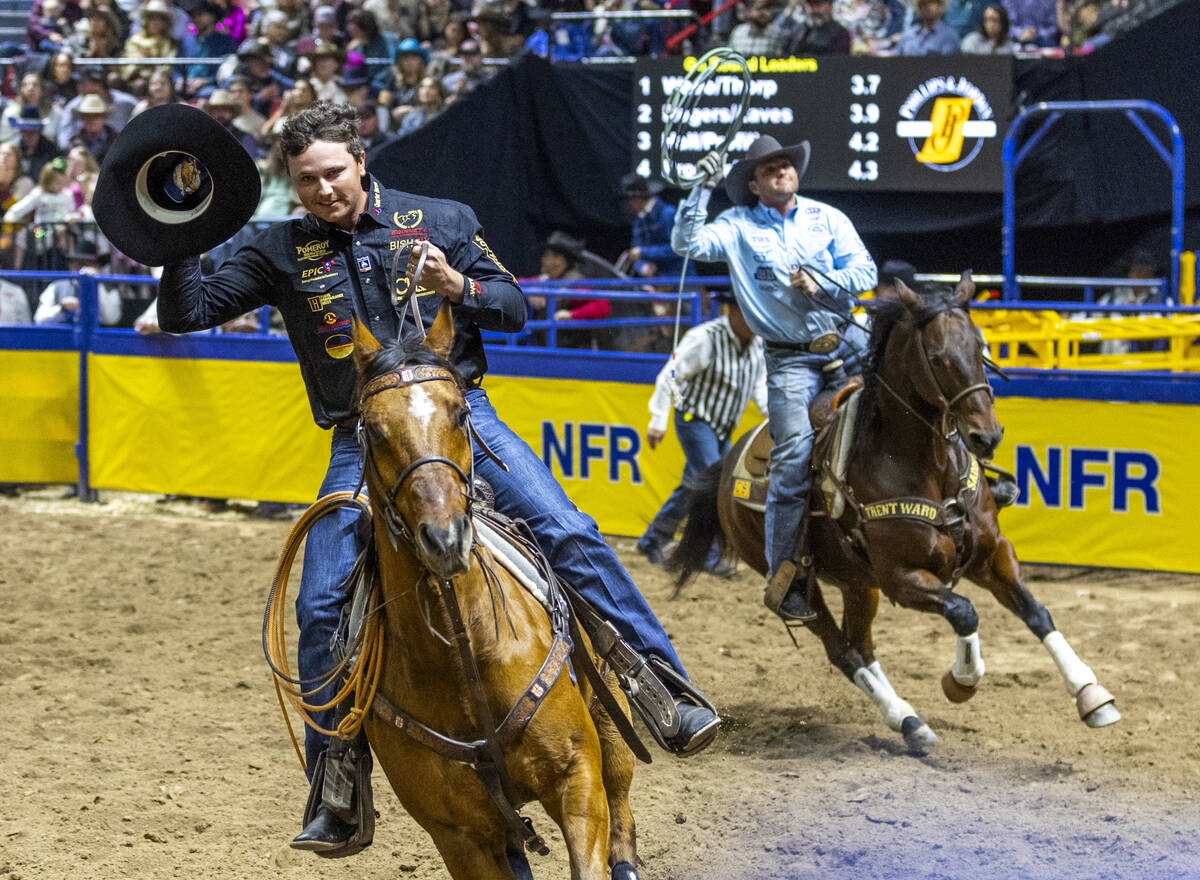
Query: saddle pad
{"type": "Point", "coordinates": [513, 559]}
{"type": "Point", "coordinates": [750, 470]}
{"type": "Point", "coordinates": [839, 453]}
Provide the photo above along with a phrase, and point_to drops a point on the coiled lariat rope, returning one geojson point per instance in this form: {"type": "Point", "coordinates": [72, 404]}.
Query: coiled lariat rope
{"type": "Point", "coordinates": [361, 680]}
{"type": "Point", "coordinates": [678, 110]}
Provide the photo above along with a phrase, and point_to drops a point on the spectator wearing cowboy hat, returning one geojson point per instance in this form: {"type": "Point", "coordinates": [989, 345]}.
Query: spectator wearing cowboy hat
{"type": "Point", "coordinates": [327, 60]}
{"type": "Point", "coordinates": [356, 82]}
{"type": "Point", "coordinates": [719, 367]}
{"type": "Point", "coordinates": [497, 32]}
{"type": "Point", "coordinates": [92, 81]}
{"type": "Point", "coordinates": [36, 148]}
{"type": "Point", "coordinates": [561, 256]}
{"type": "Point", "coordinates": [795, 264]}
{"type": "Point", "coordinates": [266, 82]}
{"type": "Point", "coordinates": [892, 271]}
{"type": "Point", "coordinates": [207, 42]}
{"type": "Point", "coordinates": [152, 40]}
{"type": "Point", "coordinates": [59, 302]}
{"type": "Point", "coordinates": [273, 34]}
{"type": "Point", "coordinates": [650, 253]}
{"type": "Point", "coordinates": [221, 107]}
{"type": "Point", "coordinates": [95, 133]}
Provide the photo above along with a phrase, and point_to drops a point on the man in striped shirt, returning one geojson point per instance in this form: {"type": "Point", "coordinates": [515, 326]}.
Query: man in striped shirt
{"type": "Point", "coordinates": [719, 366]}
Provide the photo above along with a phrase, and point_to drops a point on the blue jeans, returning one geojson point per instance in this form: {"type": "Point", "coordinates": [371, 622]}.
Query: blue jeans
{"type": "Point", "coordinates": [794, 378]}
{"type": "Point", "coordinates": [702, 448]}
{"type": "Point", "coordinates": [329, 553]}
{"type": "Point", "coordinates": [569, 538]}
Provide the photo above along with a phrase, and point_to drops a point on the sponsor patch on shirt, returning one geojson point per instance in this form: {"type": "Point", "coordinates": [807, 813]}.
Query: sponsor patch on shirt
{"type": "Point", "coordinates": [313, 251]}
{"type": "Point", "coordinates": [339, 346]}
{"type": "Point", "coordinates": [764, 273]}
{"type": "Point", "coordinates": [812, 210]}
{"type": "Point", "coordinates": [364, 263]}
{"type": "Point", "coordinates": [418, 234]}
{"type": "Point", "coordinates": [407, 220]}
{"type": "Point", "coordinates": [335, 325]}
{"type": "Point", "coordinates": [324, 272]}
{"type": "Point", "coordinates": [319, 302]}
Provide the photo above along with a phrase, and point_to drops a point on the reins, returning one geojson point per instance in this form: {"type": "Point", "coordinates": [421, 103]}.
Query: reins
{"type": "Point", "coordinates": [945, 403]}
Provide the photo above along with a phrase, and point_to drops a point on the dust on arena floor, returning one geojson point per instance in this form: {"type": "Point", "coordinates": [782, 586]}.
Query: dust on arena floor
{"type": "Point", "coordinates": [144, 739]}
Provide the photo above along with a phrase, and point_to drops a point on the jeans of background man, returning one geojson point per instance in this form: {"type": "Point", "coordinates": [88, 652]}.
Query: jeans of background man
{"type": "Point", "coordinates": [794, 378]}
{"type": "Point", "coordinates": [701, 449]}
{"type": "Point", "coordinates": [569, 538]}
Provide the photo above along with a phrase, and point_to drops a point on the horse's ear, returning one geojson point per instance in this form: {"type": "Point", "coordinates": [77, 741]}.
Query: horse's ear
{"type": "Point", "coordinates": [964, 292]}
{"type": "Point", "coordinates": [907, 296]}
{"type": "Point", "coordinates": [441, 333]}
{"type": "Point", "coordinates": [365, 343]}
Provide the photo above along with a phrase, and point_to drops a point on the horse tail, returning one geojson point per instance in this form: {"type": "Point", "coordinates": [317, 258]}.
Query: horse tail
{"type": "Point", "coordinates": [702, 528]}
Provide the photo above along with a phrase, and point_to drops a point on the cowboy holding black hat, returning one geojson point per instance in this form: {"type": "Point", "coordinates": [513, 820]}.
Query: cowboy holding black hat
{"type": "Point", "coordinates": [174, 185]}
{"type": "Point", "coordinates": [795, 265]}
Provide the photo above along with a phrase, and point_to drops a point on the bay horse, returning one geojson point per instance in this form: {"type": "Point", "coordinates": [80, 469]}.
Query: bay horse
{"type": "Point", "coordinates": [916, 514]}
{"type": "Point", "coordinates": [463, 640]}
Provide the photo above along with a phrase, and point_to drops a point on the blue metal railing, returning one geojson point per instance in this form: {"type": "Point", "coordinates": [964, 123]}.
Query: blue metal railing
{"type": "Point", "coordinates": [1013, 157]}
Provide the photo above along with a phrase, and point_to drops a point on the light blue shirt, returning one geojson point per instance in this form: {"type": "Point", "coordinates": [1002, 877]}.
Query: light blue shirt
{"type": "Point", "coordinates": [762, 248]}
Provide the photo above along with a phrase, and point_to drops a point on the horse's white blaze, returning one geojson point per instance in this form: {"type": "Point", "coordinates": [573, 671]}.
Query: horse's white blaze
{"type": "Point", "coordinates": [893, 709]}
{"type": "Point", "coordinates": [1076, 674]}
{"type": "Point", "coordinates": [421, 407]}
{"type": "Point", "coordinates": [968, 661]}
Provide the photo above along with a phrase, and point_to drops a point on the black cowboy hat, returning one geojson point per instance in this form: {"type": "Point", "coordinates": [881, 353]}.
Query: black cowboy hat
{"type": "Point", "coordinates": [634, 185]}
{"type": "Point", "coordinates": [174, 184]}
{"type": "Point", "coordinates": [898, 270]}
{"type": "Point", "coordinates": [562, 243]}
{"type": "Point", "coordinates": [766, 147]}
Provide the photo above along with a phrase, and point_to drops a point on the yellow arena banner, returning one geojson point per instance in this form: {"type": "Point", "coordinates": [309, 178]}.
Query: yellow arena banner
{"type": "Point", "coordinates": [593, 437]}
{"type": "Point", "coordinates": [39, 399]}
{"type": "Point", "coordinates": [207, 427]}
{"type": "Point", "coordinates": [1102, 483]}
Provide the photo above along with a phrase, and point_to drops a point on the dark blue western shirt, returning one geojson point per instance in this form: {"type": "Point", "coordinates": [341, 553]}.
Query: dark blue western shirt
{"type": "Point", "coordinates": [320, 277]}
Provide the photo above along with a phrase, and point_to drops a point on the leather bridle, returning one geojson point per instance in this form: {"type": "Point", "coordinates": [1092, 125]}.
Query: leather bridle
{"type": "Point", "coordinates": [945, 402]}
{"type": "Point", "coordinates": [401, 378]}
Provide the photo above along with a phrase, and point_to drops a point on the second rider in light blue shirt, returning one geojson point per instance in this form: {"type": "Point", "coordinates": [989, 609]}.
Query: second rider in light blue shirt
{"type": "Point", "coordinates": [795, 265]}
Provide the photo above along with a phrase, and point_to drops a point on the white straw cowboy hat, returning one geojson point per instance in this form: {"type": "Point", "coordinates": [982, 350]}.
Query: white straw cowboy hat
{"type": "Point", "coordinates": [737, 184]}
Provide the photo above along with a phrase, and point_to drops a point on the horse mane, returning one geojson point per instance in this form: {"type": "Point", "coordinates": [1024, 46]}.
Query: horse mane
{"type": "Point", "coordinates": [395, 354]}
{"type": "Point", "coordinates": [885, 315]}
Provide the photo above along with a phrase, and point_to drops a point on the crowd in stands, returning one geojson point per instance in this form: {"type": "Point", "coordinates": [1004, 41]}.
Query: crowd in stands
{"type": "Point", "coordinates": [90, 66]}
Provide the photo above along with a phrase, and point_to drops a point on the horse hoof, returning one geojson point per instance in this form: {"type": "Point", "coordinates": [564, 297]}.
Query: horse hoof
{"type": "Point", "coordinates": [1095, 705]}
{"type": "Point", "coordinates": [955, 691]}
{"type": "Point", "coordinates": [917, 735]}
{"type": "Point", "coordinates": [624, 871]}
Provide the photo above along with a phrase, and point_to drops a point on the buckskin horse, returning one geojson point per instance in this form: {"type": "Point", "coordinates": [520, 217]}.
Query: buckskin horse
{"type": "Point", "coordinates": [472, 718]}
{"type": "Point", "coordinates": [914, 515]}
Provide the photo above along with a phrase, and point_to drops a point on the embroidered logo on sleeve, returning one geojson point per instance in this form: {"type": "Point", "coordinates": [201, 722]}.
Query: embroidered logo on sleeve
{"type": "Point", "coordinates": [483, 246]}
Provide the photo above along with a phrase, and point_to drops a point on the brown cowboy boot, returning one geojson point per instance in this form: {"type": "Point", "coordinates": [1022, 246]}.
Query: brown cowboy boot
{"type": "Point", "coordinates": [787, 587]}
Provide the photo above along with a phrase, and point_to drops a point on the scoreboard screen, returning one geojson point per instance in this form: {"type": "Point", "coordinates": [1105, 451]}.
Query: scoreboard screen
{"type": "Point", "coordinates": [932, 123]}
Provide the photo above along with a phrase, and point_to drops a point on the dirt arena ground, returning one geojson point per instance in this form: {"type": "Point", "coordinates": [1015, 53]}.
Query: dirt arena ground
{"type": "Point", "coordinates": [143, 739]}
